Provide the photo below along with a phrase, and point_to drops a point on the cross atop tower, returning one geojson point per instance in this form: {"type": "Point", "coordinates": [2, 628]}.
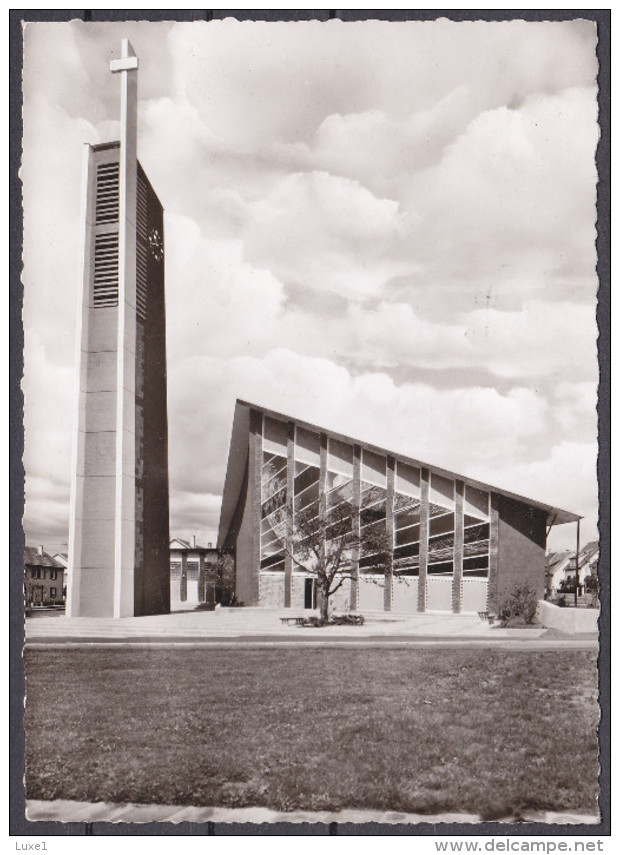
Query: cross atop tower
{"type": "Point", "coordinates": [128, 60]}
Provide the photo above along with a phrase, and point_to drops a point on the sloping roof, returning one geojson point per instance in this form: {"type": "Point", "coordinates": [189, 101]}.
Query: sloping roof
{"type": "Point", "coordinates": [33, 559]}
{"type": "Point", "coordinates": [586, 554]}
{"type": "Point", "coordinates": [186, 545]}
{"type": "Point", "coordinates": [554, 559]}
{"type": "Point", "coordinates": [238, 453]}
{"type": "Point", "coordinates": [589, 549]}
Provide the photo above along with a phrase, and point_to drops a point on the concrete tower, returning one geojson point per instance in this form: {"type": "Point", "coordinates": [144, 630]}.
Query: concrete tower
{"type": "Point", "coordinates": [119, 525]}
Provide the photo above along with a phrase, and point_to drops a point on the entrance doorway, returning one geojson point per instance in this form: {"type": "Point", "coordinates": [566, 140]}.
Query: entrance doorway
{"type": "Point", "coordinates": [310, 594]}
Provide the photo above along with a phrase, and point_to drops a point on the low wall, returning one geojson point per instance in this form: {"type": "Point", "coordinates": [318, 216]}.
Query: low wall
{"type": "Point", "coordinates": [567, 619]}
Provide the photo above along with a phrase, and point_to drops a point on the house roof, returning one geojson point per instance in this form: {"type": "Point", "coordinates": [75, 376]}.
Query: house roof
{"type": "Point", "coordinates": [554, 559]}
{"type": "Point", "coordinates": [238, 454]}
{"type": "Point", "coordinates": [33, 559]}
{"type": "Point", "coordinates": [182, 545]}
{"type": "Point", "coordinates": [586, 554]}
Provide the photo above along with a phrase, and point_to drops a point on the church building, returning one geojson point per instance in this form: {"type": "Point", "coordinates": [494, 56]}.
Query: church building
{"type": "Point", "coordinates": [455, 544]}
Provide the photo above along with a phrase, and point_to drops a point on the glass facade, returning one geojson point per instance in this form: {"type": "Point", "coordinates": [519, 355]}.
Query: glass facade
{"type": "Point", "coordinates": [273, 494]}
{"type": "Point", "coordinates": [476, 533]}
{"type": "Point", "coordinates": [398, 517]}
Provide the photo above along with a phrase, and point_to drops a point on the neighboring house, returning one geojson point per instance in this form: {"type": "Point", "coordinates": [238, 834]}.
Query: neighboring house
{"type": "Point", "coordinates": [63, 559]}
{"type": "Point", "coordinates": [43, 578]}
{"type": "Point", "coordinates": [189, 565]}
{"type": "Point", "coordinates": [588, 561]}
{"type": "Point", "coordinates": [561, 565]}
{"type": "Point", "coordinates": [557, 567]}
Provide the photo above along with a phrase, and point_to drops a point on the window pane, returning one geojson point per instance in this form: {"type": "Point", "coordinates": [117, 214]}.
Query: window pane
{"type": "Point", "coordinates": [476, 503]}
{"type": "Point", "coordinates": [481, 547]}
{"type": "Point", "coordinates": [407, 480]}
{"type": "Point", "coordinates": [374, 468]}
{"type": "Point", "coordinates": [441, 548]}
{"type": "Point", "coordinates": [308, 476]}
{"type": "Point", "coordinates": [307, 446]}
{"type": "Point", "coordinates": [372, 514]}
{"type": "Point", "coordinates": [339, 529]}
{"type": "Point", "coordinates": [308, 497]}
{"type": "Point", "coordinates": [273, 503]}
{"type": "Point", "coordinates": [442, 491]}
{"type": "Point", "coordinates": [476, 532]}
{"type": "Point", "coordinates": [412, 550]}
{"type": "Point", "coordinates": [340, 457]}
{"type": "Point", "coordinates": [409, 518]}
{"type": "Point", "coordinates": [476, 567]}
{"type": "Point", "coordinates": [372, 564]}
{"type": "Point", "coordinates": [439, 525]}
{"type": "Point", "coordinates": [273, 562]}
{"type": "Point", "coordinates": [371, 494]}
{"type": "Point", "coordinates": [444, 569]}
{"type": "Point", "coordinates": [408, 535]}
{"type": "Point", "coordinates": [275, 436]}
{"type": "Point", "coordinates": [341, 493]}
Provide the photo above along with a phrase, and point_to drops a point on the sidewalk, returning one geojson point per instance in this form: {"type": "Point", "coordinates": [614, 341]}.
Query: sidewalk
{"type": "Point", "coordinates": [71, 811]}
{"type": "Point", "coordinates": [264, 626]}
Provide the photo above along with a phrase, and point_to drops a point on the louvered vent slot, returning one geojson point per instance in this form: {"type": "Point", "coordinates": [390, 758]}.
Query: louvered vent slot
{"type": "Point", "coordinates": [142, 247]}
{"type": "Point", "coordinates": [105, 292]}
{"type": "Point", "coordinates": [107, 193]}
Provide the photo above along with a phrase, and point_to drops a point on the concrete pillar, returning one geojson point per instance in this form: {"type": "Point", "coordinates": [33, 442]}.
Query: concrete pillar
{"type": "Point", "coordinates": [424, 515]}
{"type": "Point", "coordinates": [125, 521]}
{"type": "Point", "coordinates": [458, 547]}
{"type": "Point", "coordinates": [493, 588]}
{"type": "Point", "coordinates": [322, 495]}
{"type": "Point", "coordinates": [254, 497]}
{"type": "Point", "coordinates": [290, 489]}
{"type": "Point", "coordinates": [357, 496]}
{"type": "Point", "coordinates": [389, 527]}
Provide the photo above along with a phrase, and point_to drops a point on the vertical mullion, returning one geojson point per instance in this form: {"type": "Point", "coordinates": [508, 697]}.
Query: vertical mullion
{"type": "Point", "coordinates": [255, 485]}
{"type": "Point", "coordinates": [493, 585]}
{"type": "Point", "coordinates": [389, 528]}
{"type": "Point", "coordinates": [457, 576]}
{"type": "Point", "coordinates": [355, 558]}
{"type": "Point", "coordinates": [424, 510]}
{"type": "Point", "coordinates": [290, 486]}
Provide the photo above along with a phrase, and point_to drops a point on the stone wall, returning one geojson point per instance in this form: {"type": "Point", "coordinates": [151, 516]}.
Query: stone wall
{"type": "Point", "coordinates": [272, 590]}
{"type": "Point", "coordinates": [370, 594]}
{"type": "Point", "coordinates": [405, 595]}
{"type": "Point", "coordinates": [567, 619]}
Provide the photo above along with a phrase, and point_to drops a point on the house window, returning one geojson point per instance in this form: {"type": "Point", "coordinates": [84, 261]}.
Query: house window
{"type": "Point", "coordinates": [53, 593]}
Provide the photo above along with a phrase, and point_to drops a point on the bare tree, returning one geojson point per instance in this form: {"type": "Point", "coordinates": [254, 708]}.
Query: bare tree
{"type": "Point", "coordinates": [326, 543]}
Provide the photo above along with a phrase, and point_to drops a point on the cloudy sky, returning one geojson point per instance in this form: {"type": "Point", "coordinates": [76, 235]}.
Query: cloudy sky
{"type": "Point", "coordinates": [385, 229]}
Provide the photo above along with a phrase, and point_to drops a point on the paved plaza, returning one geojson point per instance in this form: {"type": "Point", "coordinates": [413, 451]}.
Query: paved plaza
{"type": "Point", "coordinates": [265, 626]}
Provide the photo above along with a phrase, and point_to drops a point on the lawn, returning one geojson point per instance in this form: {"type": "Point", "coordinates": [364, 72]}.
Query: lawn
{"type": "Point", "coordinates": [425, 730]}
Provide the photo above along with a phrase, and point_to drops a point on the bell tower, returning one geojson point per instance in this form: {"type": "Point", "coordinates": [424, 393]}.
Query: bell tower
{"type": "Point", "coordinates": [119, 524]}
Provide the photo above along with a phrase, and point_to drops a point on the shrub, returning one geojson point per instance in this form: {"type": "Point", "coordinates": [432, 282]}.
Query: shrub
{"type": "Point", "coordinates": [335, 620]}
{"type": "Point", "coordinates": [519, 606]}
{"type": "Point", "coordinates": [347, 620]}
{"type": "Point", "coordinates": [591, 584]}
{"type": "Point", "coordinates": [568, 585]}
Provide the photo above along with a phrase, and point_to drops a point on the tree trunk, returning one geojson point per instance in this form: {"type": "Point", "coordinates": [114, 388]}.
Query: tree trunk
{"type": "Point", "coordinates": [323, 607]}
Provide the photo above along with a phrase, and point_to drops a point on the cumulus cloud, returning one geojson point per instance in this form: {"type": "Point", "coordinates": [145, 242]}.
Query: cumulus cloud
{"type": "Point", "coordinates": [405, 205]}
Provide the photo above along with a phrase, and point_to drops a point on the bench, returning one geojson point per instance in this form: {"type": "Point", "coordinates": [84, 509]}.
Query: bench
{"type": "Point", "coordinates": [487, 616]}
{"type": "Point", "coordinates": [296, 621]}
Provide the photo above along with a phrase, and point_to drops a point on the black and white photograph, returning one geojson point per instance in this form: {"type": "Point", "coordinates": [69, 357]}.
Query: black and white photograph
{"type": "Point", "coordinates": [312, 518]}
